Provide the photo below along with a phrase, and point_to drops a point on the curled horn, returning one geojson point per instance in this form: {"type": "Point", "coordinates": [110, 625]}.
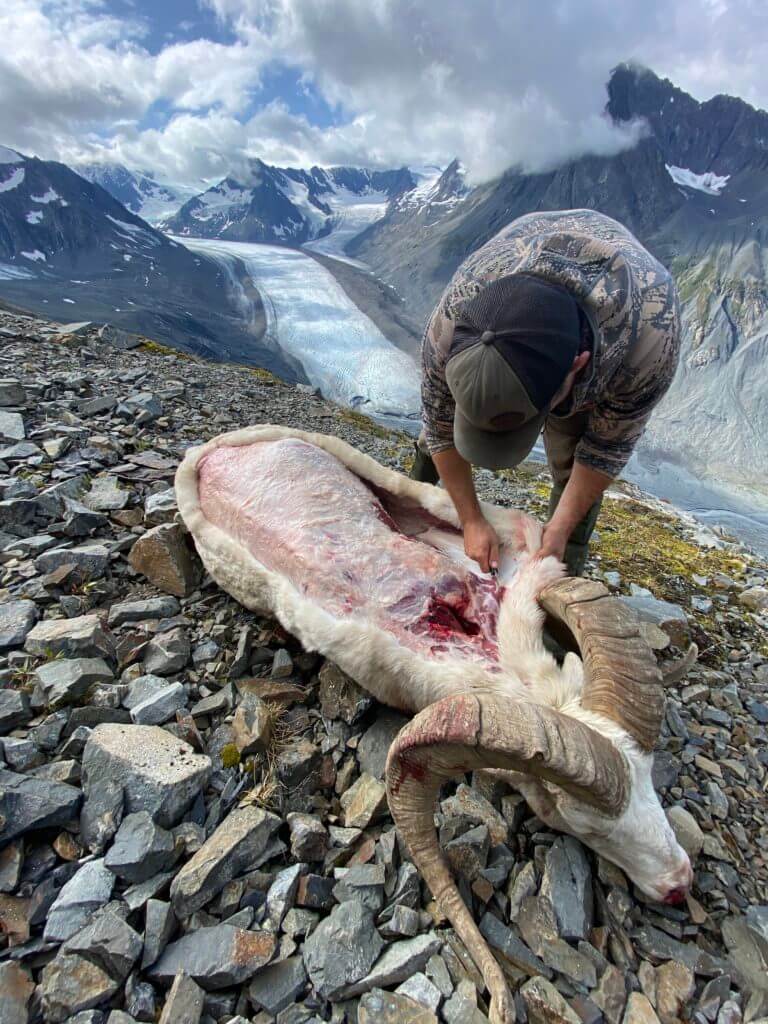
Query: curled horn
{"type": "Point", "coordinates": [480, 731]}
{"type": "Point", "coordinates": [621, 678]}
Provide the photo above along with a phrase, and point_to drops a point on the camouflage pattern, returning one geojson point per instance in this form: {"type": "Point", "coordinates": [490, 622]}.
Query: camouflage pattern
{"type": "Point", "coordinates": [629, 300]}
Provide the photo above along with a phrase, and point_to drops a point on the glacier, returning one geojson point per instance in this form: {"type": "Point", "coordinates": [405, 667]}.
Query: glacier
{"type": "Point", "coordinates": [311, 318]}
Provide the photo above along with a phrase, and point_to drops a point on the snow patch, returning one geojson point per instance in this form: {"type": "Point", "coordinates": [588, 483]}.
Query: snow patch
{"type": "Point", "coordinates": [34, 255]}
{"type": "Point", "coordinates": [70, 301]}
{"type": "Point", "coordinates": [16, 178]}
{"type": "Point", "coordinates": [709, 182]}
{"type": "Point", "coordinates": [297, 193]}
{"type": "Point", "coordinates": [217, 200]}
{"type": "Point", "coordinates": [10, 156]}
{"type": "Point", "coordinates": [34, 216]}
{"type": "Point", "coordinates": [48, 197]}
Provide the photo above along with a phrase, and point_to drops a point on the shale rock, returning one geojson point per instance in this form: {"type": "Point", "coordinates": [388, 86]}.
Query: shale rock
{"type": "Point", "coordinates": [163, 556]}
{"type": "Point", "coordinates": [140, 849]}
{"type": "Point", "coordinates": [16, 620]}
{"type": "Point", "coordinates": [342, 949]}
{"type": "Point", "coordinates": [85, 892]}
{"type": "Point", "coordinates": [216, 957]}
{"type": "Point", "coordinates": [159, 773]}
{"type": "Point", "coordinates": [237, 845]}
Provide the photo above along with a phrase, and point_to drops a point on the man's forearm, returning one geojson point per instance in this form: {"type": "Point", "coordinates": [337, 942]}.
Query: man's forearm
{"type": "Point", "coordinates": [583, 489]}
{"type": "Point", "coordinates": [456, 474]}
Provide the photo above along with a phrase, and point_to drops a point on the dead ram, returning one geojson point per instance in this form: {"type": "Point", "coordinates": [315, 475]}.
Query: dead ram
{"type": "Point", "coordinates": [367, 567]}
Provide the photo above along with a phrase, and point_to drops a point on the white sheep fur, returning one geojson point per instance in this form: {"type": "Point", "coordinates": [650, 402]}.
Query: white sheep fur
{"type": "Point", "coordinates": [640, 840]}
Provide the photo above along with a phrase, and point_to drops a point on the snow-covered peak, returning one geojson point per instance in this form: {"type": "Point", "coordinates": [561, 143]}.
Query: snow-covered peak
{"type": "Point", "coordinates": [10, 156]}
{"type": "Point", "coordinates": [709, 182]}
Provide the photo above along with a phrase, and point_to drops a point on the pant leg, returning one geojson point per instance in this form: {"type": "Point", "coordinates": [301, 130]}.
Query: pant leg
{"type": "Point", "coordinates": [561, 437]}
{"type": "Point", "coordinates": [424, 468]}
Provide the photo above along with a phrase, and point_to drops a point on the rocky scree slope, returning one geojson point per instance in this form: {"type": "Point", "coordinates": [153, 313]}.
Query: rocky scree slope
{"type": "Point", "coordinates": [695, 192]}
{"type": "Point", "coordinates": [194, 823]}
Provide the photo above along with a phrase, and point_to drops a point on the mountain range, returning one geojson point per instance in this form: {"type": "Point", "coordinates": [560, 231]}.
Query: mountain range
{"type": "Point", "coordinates": [70, 250]}
{"type": "Point", "coordinates": [694, 190]}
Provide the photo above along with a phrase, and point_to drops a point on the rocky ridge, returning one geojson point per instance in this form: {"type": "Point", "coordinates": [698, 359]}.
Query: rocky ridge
{"type": "Point", "coordinates": [192, 812]}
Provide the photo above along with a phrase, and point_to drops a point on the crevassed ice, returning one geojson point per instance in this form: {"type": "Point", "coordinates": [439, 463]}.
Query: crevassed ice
{"type": "Point", "coordinates": [312, 318]}
{"type": "Point", "coordinates": [709, 182]}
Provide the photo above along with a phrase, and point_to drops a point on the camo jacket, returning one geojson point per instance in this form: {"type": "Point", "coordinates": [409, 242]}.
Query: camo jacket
{"type": "Point", "coordinates": [628, 298]}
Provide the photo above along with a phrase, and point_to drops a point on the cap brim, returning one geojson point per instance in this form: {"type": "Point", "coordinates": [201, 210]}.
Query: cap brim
{"type": "Point", "coordinates": [495, 449]}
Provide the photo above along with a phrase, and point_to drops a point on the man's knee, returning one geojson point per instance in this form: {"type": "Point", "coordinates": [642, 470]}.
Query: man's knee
{"type": "Point", "coordinates": [424, 469]}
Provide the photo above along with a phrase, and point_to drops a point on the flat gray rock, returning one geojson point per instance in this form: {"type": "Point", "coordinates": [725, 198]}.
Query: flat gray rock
{"type": "Point", "coordinates": [398, 962]}
{"type": "Point", "coordinates": [377, 739]}
{"type": "Point", "coordinates": [106, 495]}
{"type": "Point", "coordinates": [167, 653]}
{"type": "Point", "coordinates": [11, 426]}
{"type": "Point", "coordinates": [216, 957]}
{"type": "Point", "coordinates": [79, 637]}
{"type": "Point", "coordinates": [85, 892]}
{"type": "Point", "coordinates": [141, 849]}
{"type": "Point", "coordinates": [140, 611]}
{"type": "Point", "coordinates": [101, 814]}
{"type": "Point", "coordinates": [158, 772]}
{"type": "Point", "coordinates": [160, 924]}
{"type": "Point", "coordinates": [65, 679]}
{"type": "Point", "coordinates": [109, 942]}
{"type": "Point", "coordinates": [161, 706]}
{"type": "Point", "coordinates": [567, 884]}
{"type": "Point", "coordinates": [342, 949]}
{"type": "Point", "coordinates": [278, 985]}
{"type": "Point", "coordinates": [184, 1002]}
{"type": "Point", "coordinates": [236, 846]}
{"type": "Point", "coordinates": [14, 710]}
{"type": "Point", "coordinates": [27, 804]}
{"type": "Point", "coordinates": [16, 620]}
{"type": "Point", "coordinates": [91, 559]}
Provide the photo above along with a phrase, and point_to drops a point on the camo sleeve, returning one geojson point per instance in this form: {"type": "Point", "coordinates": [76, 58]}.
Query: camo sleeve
{"type": "Point", "coordinates": [622, 411]}
{"type": "Point", "coordinates": [437, 402]}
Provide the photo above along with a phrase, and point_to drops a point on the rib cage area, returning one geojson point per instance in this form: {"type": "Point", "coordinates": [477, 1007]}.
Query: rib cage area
{"type": "Point", "coordinates": [352, 549]}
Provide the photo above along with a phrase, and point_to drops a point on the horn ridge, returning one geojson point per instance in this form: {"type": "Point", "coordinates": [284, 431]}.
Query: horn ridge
{"type": "Point", "coordinates": [621, 678]}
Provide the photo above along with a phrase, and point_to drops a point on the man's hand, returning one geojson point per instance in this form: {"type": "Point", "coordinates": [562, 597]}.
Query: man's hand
{"type": "Point", "coordinates": [481, 543]}
{"type": "Point", "coordinates": [553, 542]}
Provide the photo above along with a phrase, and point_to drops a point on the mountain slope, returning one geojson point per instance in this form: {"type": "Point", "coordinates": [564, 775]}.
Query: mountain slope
{"type": "Point", "coordinates": [695, 192]}
{"type": "Point", "coordinates": [141, 193]}
{"type": "Point", "coordinates": [69, 250]}
{"type": "Point", "coordinates": [285, 206]}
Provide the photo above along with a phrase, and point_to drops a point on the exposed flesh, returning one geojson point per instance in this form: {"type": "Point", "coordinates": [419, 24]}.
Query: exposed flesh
{"type": "Point", "coordinates": [303, 514]}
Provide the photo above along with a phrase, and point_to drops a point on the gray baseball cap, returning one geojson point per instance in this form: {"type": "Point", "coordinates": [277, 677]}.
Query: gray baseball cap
{"type": "Point", "coordinates": [513, 346]}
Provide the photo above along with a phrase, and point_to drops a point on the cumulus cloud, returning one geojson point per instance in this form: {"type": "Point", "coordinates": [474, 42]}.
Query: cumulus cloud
{"type": "Point", "coordinates": [412, 81]}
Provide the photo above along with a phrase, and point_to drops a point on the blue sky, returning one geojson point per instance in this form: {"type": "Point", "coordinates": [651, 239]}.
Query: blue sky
{"type": "Point", "coordinates": [195, 89]}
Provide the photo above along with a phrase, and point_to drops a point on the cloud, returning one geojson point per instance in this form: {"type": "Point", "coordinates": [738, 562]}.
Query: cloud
{"type": "Point", "coordinates": [416, 81]}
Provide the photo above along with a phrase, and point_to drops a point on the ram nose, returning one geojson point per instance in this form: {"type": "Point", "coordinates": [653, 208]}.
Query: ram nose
{"type": "Point", "coordinates": [678, 890]}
